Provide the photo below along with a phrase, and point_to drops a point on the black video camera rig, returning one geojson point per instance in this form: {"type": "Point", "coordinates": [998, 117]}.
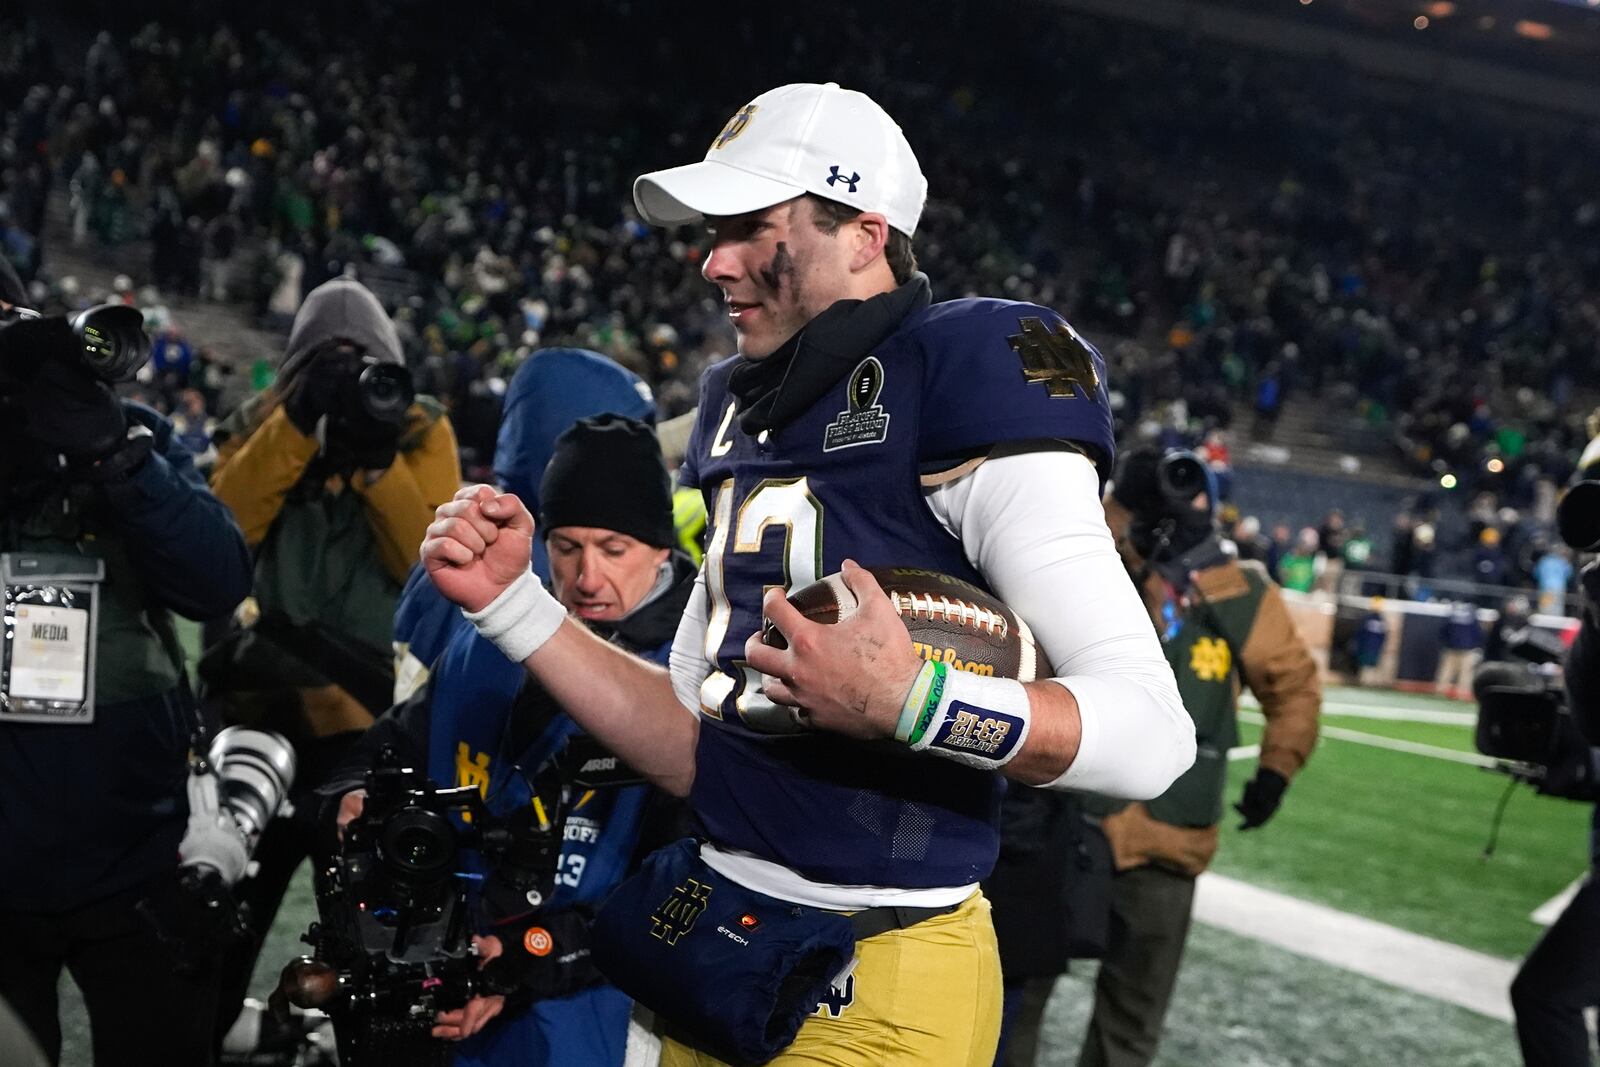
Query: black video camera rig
{"type": "Point", "coordinates": [393, 946]}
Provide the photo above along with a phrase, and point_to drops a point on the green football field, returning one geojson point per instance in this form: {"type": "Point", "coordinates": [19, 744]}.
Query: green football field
{"type": "Point", "coordinates": [1395, 836]}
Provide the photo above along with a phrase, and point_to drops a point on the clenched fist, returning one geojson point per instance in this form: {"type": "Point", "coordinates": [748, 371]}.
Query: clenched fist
{"type": "Point", "coordinates": [479, 542]}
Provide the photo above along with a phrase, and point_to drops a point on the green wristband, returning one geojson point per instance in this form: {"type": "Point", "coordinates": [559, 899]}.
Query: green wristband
{"type": "Point", "coordinates": [930, 704]}
{"type": "Point", "coordinates": [915, 700]}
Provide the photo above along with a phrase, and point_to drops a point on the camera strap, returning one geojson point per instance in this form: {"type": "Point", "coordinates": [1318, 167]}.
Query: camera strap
{"type": "Point", "coordinates": [49, 618]}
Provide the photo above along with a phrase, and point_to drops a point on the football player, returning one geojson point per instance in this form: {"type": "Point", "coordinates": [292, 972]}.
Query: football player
{"type": "Point", "coordinates": [859, 423]}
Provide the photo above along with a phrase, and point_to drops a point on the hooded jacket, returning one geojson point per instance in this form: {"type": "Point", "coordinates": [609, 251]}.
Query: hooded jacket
{"type": "Point", "coordinates": [331, 552]}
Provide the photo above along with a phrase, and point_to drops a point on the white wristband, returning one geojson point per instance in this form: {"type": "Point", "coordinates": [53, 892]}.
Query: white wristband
{"type": "Point", "coordinates": [523, 617]}
{"type": "Point", "coordinates": [982, 722]}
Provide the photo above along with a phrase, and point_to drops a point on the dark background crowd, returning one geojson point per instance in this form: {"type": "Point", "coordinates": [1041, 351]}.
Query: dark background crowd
{"type": "Point", "coordinates": [1241, 232]}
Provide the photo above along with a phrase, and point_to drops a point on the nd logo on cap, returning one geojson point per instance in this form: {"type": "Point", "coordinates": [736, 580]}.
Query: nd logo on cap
{"type": "Point", "coordinates": [736, 125]}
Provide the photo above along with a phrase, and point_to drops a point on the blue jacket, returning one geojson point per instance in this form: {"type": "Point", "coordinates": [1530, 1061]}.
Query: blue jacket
{"type": "Point", "coordinates": [90, 811]}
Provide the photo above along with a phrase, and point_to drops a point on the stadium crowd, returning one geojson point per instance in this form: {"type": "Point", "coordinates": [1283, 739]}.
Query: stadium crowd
{"type": "Point", "coordinates": [1244, 229]}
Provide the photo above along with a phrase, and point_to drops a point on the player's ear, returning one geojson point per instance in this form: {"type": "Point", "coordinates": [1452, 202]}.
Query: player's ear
{"type": "Point", "coordinates": [869, 233]}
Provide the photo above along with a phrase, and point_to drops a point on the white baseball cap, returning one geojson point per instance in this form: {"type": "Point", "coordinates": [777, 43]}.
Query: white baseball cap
{"type": "Point", "coordinates": [792, 140]}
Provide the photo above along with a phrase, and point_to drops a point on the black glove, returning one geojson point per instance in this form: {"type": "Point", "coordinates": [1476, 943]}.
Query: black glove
{"type": "Point", "coordinates": [195, 917]}
{"type": "Point", "coordinates": [545, 957]}
{"type": "Point", "coordinates": [71, 412]}
{"type": "Point", "coordinates": [1262, 795]}
{"type": "Point", "coordinates": [315, 390]}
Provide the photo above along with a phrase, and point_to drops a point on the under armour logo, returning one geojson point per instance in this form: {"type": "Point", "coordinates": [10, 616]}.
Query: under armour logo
{"type": "Point", "coordinates": [835, 176]}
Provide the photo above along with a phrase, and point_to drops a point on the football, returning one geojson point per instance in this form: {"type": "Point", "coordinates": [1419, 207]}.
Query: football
{"type": "Point", "coordinates": [949, 620]}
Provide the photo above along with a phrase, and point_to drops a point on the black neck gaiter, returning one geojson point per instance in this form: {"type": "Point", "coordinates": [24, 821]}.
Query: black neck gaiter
{"type": "Point", "coordinates": [770, 392]}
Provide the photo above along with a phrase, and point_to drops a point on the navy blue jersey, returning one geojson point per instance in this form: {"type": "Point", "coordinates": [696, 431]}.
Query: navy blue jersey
{"type": "Point", "coordinates": [842, 481]}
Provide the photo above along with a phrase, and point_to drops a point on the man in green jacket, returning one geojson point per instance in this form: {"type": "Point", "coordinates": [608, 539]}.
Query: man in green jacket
{"type": "Point", "coordinates": [1223, 624]}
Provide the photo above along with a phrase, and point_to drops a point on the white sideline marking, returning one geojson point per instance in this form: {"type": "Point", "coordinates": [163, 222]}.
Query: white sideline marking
{"type": "Point", "coordinates": [1416, 748]}
{"type": "Point", "coordinates": [1244, 752]}
{"type": "Point", "coordinates": [1373, 711]}
{"type": "Point", "coordinates": [1551, 910]}
{"type": "Point", "coordinates": [1473, 980]}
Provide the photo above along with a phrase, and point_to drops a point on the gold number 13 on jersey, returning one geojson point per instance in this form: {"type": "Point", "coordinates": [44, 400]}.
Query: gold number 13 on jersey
{"type": "Point", "coordinates": [787, 504]}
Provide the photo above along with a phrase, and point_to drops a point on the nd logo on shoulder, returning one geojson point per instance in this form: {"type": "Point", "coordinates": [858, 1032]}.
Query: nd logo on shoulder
{"type": "Point", "coordinates": [1058, 357]}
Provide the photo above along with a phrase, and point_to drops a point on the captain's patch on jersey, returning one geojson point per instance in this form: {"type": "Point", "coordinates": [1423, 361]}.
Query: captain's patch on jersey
{"type": "Point", "coordinates": [1058, 358]}
{"type": "Point", "coordinates": [863, 421]}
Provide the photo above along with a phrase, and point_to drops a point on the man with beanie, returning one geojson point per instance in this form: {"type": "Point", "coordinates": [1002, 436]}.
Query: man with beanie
{"type": "Point", "coordinates": [332, 474]}
{"type": "Point", "coordinates": [606, 511]}
{"type": "Point", "coordinates": [554, 388]}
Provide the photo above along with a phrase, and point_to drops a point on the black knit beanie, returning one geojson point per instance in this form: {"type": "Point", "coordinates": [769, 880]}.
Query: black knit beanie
{"type": "Point", "coordinates": [607, 473]}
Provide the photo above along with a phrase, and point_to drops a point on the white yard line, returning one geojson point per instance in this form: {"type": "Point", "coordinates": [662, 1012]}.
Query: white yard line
{"type": "Point", "coordinates": [1473, 980]}
{"type": "Point", "coordinates": [1550, 910]}
{"type": "Point", "coordinates": [1416, 748]}
{"type": "Point", "coordinates": [1373, 711]}
{"type": "Point", "coordinates": [1244, 752]}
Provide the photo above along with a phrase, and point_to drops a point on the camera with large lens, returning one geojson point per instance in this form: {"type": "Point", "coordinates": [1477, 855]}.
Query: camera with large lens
{"type": "Point", "coordinates": [107, 340]}
{"type": "Point", "coordinates": [380, 391]}
{"type": "Point", "coordinates": [237, 789]}
{"type": "Point", "coordinates": [399, 903]}
{"type": "Point", "coordinates": [1170, 498]}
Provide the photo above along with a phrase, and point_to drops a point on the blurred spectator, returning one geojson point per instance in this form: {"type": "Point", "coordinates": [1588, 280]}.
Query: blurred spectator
{"type": "Point", "coordinates": [1281, 544]}
{"type": "Point", "coordinates": [1247, 538]}
{"type": "Point", "coordinates": [1298, 569]}
{"type": "Point", "coordinates": [1370, 638]}
{"type": "Point", "coordinates": [1553, 572]}
{"type": "Point", "coordinates": [1462, 642]}
{"type": "Point", "coordinates": [1489, 560]}
{"type": "Point", "coordinates": [1358, 548]}
{"type": "Point", "coordinates": [1330, 544]}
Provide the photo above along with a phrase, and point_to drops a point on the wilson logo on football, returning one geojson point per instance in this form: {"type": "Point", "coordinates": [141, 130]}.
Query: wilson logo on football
{"type": "Point", "coordinates": [538, 941]}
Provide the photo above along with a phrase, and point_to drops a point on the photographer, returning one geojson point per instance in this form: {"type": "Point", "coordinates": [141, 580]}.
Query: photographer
{"type": "Point", "coordinates": [1223, 624]}
{"type": "Point", "coordinates": [95, 731]}
{"type": "Point", "coordinates": [605, 511]}
{"type": "Point", "coordinates": [1560, 979]}
{"type": "Point", "coordinates": [333, 474]}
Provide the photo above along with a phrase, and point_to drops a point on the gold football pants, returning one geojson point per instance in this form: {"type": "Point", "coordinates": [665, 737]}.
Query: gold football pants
{"type": "Point", "coordinates": [928, 994]}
